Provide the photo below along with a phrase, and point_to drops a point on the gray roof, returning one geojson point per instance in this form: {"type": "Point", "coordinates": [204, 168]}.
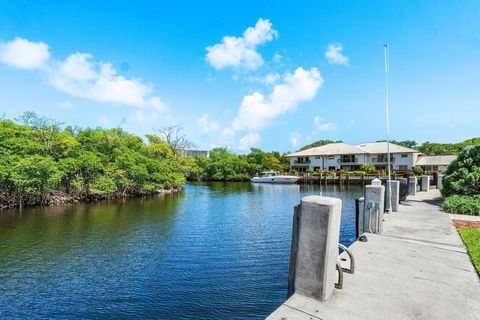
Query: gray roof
{"type": "Point", "coordinates": [328, 149]}
{"type": "Point", "coordinates": [435, 160]}
{"type": "Point", "coordinates": [381, 147]}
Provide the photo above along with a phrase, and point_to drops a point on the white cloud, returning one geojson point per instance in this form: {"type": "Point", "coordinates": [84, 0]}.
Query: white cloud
{"type": "Point", "coordinates": [268, 79]}
{"type": "Point", "coordinates": [295, 139]}
{"type": "Point", "coordinates": [321, 125]}
{"type": "Point", "coordinates": [66, 105]}
{"type": "Point", "coordinates": [81, 76]}
{"type": "Point", "coordinates": [352, 122]}
{"type": "Point", "coordinates": [241, 52]}
{"type": "Point", "coordinates": [24, 54]}
{"type": "Point", "coordinates": [104, 121]}
{"type": "Point", "coordinates": [206, 125]}
{"type": "Point", "coordinates": [334, 54]}
{"type": "Point", "coordinates": [258, 111]}
{"type": "Point", "coordinates": [248, 141]}
{"type": "Point", "coordinates": [271, 78]}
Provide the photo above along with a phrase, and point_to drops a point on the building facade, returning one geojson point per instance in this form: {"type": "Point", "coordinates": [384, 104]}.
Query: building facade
{"type": "Point", "coordinates": [342, 156]}
{"type": "Point", "coordinates": [192, 153]}
{"type": "Point", "coordinates": [435, 163]}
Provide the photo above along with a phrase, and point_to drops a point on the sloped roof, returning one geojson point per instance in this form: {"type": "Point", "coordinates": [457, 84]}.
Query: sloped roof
{"type": "Point", "coordinates": [381, 147]}
{"type": "Point", "coordinates": [435, 160]}
{"type": "Point", "coordinates": [328, 149]}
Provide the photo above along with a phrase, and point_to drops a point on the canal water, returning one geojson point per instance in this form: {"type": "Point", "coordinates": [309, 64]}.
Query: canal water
{"type": "Point", "coordinates": [214, 251]}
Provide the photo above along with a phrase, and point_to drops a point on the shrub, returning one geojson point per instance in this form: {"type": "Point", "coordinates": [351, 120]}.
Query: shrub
{"type": "Point", "coordinates": [463, 174]}
{"type": "Point", "coordinates": [417, 170]}
{"type": "Point", "coordinates": [462, 205]}
{"type": "Point", "coordinates": [368, 167]}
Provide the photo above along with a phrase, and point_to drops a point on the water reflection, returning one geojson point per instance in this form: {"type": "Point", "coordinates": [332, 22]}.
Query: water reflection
{"type": "Point", "coordinates": [217, 250]}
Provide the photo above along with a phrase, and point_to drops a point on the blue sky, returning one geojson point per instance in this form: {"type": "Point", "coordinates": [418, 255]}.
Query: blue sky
{"type": "Point", "coordinates": [287, 74]}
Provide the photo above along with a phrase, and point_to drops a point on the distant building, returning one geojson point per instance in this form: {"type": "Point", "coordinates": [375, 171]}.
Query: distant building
{"type": "Point", "coordinates": [435, 163]}
{"type": "Point", "coordinates": [191, 153]}
{"type": "Point", "coordinates": [336, 156]}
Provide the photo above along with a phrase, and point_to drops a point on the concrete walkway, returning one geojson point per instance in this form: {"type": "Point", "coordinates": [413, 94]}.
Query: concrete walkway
{"type": "Point", "coordinates": [417, 269]}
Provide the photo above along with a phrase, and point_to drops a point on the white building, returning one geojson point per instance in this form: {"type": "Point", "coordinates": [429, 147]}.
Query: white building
{"type": "Point", "coordinates": [344, 156]}
{"type": "Point", "coordinates": [192, 153]}
{"type": "Point", "coordinates": [435, 163]}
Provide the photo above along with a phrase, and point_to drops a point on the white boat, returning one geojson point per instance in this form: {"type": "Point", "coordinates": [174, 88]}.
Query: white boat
{"type": "Point", "coordinates": [274, 177]}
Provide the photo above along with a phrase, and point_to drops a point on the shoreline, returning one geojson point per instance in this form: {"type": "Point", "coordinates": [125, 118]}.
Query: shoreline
{"type": "Point", "coordinates": [54, 198]}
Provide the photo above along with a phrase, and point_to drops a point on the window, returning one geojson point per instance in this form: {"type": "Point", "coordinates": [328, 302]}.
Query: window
{"type": "Point", "coordinates": [348, 158]}
{"type": "Point", "coordinates": [383, 158]}
{"type": "Point", "coordinates": [404, 155]}
{"type": "Point", "coordinates": [331, 157]}
{"type": "Point", "coordinates": [402, 168]}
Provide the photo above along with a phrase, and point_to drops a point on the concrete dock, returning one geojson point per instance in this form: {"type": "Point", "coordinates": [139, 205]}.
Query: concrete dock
{"type": "Point", "coordinates": [417, 268]}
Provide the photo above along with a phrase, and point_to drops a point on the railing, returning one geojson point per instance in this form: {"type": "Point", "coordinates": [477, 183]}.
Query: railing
{"type": "Point", "coordinates": [301, 162]}
{"type": "Point", "coordinates": [348, 161]}
{"type": "Point", "coordinates": [383, 160]}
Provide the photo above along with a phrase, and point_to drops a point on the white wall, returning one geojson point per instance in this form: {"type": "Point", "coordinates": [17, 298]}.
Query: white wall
{"type": "Point", "coordinates": [316, 161]}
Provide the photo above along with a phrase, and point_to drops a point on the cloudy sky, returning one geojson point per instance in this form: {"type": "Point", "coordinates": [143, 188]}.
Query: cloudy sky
{"type": "Point", "coordinates": [274, 75]}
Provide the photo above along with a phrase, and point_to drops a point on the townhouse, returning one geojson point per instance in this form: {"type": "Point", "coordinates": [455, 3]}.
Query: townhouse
{"type": "Point", "coordinates": [336, 156]}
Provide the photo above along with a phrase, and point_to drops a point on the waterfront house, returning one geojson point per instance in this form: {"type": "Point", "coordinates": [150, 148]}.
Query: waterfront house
{"type": "Point", "coordinates": [343, 156]}
{"type": "Point", "coordinates": [435, 163]}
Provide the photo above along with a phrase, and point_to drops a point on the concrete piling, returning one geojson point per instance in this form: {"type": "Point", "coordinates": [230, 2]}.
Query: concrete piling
{"type": "Point", "coordinates": [413, 183]}
{"type": "Point", "coordinates": [439, 181]}
{"type": "Point", "coordinates": [314, 256]}
{"type": "Point", "coordinates": [395, 187]}
{"type": "Point", "coordinates": [374, 208]}
{"type": "Point", "coordinates": [425, 183]}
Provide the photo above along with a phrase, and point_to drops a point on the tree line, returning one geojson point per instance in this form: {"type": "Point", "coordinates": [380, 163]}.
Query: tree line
{"type": "Point", "coordinates": [43, 162]}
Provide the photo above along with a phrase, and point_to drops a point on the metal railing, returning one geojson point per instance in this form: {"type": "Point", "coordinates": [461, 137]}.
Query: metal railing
{"type": "Point", "coordinates": [301, 162]}
{"type": "Point", "coordinates": [347, 161]}
{"type": "Point", "coordinates": [383, 160]}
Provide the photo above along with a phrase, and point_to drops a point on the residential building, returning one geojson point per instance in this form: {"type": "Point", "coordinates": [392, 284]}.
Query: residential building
{"type": "Point", "coordinates": [435, 163]}
{"type": "Point", "coordinates": [336, 156]}
{"type": "Point", "coordinates": [192, 153]}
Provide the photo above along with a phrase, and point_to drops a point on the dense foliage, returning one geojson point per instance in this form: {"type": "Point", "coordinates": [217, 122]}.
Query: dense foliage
{"type": "Point", "coordinates": [224, 165]}
{"type": "Point", "coordinates": [368, 167]}
{"type": "Point", "coordinates": [462, 204]}
{"type": "Point", "coordinates": [463, 174]}
{"type": "Point", "coordinates": [40, 160]}
{"type": "Point", "coordinates": [417, 170]}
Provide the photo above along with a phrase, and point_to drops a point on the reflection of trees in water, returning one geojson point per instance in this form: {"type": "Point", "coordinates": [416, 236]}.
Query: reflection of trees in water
{"type": "Point", "coordinates": [331, 188]}
{"type": "Point", "coordinates": [225, 188]}
{"type": "Point", "coordinates": [60, 228]}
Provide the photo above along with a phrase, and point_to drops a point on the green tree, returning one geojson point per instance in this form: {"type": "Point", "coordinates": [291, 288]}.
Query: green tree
{"type": "Point", "coordinates": [463, 174]}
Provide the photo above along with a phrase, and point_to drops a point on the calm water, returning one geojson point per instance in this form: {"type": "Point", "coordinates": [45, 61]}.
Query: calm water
{"type": "Point", "coordinates": [215, 251]}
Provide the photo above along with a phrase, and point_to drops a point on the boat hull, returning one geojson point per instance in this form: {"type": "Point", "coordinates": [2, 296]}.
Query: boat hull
{"type": "Point", "coordinates": [275, 179]}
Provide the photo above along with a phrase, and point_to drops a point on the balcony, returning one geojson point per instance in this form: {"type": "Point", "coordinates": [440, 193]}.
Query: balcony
{"type": "Point", "coordinates": [347, 161]}
{"type": "Point", "coordinates": [382, 160]}
{"type": "Point", "coordinates": [303, 162]}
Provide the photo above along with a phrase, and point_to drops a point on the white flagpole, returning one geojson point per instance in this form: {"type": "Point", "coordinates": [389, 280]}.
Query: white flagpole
{"type": "Point", "coordinates": [385, 50]}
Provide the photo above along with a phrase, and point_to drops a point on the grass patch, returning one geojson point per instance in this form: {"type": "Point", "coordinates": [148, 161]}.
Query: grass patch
{"type": "Point", "coordinates": [471, 238]}
{"type": "Point", "coordinates": [462, 205]}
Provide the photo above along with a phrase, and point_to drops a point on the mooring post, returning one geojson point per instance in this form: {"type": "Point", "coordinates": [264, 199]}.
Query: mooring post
{"type": "Point", "coordinates": [439, 181]}
{"type": "Point", "coordinates": [395, 187]}
{"type": "Point", "coordinates": [314, 249]}
{"type": "Point", "coordinates": [374, 206]}
{"type": "Point", "coordinates": [425, 183]}
{"type": "Point", "coordinates": [412, 181]}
